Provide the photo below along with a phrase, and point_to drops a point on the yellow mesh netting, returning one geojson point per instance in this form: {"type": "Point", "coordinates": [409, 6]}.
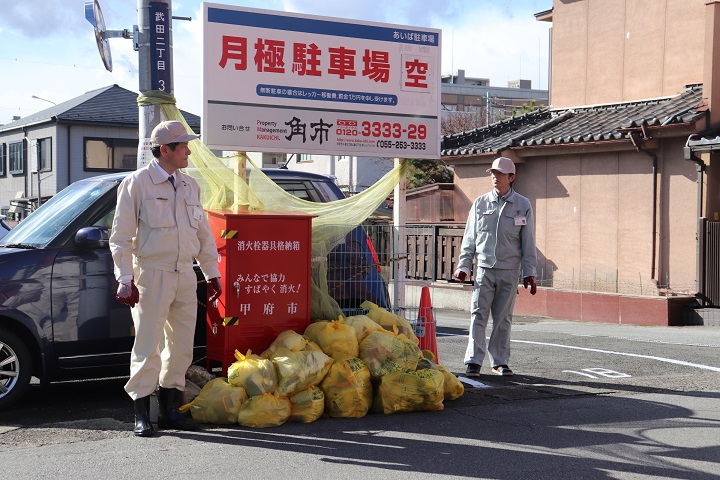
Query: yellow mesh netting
{"type": "Point", "coordinates": [224, 187]}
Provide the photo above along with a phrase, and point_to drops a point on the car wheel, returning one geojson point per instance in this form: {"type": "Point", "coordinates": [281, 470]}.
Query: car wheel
{"type": "Point", "coordinates": [15, 368]}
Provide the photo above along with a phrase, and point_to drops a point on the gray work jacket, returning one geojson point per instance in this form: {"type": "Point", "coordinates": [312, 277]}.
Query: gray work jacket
{"type": "Point", "coordinates": [500, 234]}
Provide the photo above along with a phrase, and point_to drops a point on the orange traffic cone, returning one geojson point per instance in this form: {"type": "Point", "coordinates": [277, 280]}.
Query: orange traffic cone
{"type": "Point", "coordinates": [426, 324]}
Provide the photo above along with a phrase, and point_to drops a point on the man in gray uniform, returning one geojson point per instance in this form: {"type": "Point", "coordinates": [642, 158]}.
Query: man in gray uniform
{"type": "Point", "coordinates": [500, 236]}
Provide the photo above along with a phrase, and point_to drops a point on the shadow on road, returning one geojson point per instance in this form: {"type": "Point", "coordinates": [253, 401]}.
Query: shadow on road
{"type": "Point", "coordinates": [517, 428]}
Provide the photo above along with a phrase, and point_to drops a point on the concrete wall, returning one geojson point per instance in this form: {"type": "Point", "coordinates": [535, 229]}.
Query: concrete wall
{"type": "Point", "coordinates": [607, 51]}
{"type": "Point", "coordinates": [594, 218]}
{"type": "Point", "coordinates": [565, 305]}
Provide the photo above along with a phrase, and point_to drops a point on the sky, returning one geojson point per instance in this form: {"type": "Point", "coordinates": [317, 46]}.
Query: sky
{"type": "Point", "coordinates": [48, 50]}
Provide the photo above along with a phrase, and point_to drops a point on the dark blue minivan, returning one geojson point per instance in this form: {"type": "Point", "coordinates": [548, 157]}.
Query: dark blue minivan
{"type": "Point", "coordinates": [59, 318]}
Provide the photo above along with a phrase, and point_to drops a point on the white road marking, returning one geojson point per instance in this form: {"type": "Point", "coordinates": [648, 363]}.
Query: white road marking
{"type": "Point", "coordinates": [600, 371]}
{"type": "Point", "coordinates": [604, 372]}
{"type": "Point", "coordinates": [647, 340]}
{"type": "Point", "coordinates": [473, 383]}
{"type": "Point", "coordinates": [625, 354]}
{"type": "Point", "coordinates": [579, 373]}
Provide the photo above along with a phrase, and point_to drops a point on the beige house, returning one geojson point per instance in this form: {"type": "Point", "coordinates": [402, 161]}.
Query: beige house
{"type": "Point", "coordinates": [622, 164]}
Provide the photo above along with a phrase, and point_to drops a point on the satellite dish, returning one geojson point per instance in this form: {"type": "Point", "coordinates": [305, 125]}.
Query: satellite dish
{"type": "Point", "coordinates": [94, 15]}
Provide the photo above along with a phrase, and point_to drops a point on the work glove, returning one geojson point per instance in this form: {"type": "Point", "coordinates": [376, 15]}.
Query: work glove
{"type": "Point", "coordinates": [530, 281]}
{"type": "Point", "coordinates": [214, 289]}
{"type": "Point", "coordinates": [128, 294]}
{"type": "Point", "coordinates": [459, 275]}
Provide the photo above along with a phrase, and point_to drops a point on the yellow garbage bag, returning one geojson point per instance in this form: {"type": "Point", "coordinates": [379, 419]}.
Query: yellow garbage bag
{"type": "Point", "coordinates": [289, 339]}
{"type": "Point", "coordinates": [406, 391]}
{"type": "Point", "coordinates": [254, 373]}
{"type": "Point", "coordinates": [426, 363]}
{"type": "Point", "coordinates": [362, 325]}
{"type": "Point", "coordinates": [428, 354]}
{"type": "Point", "coordinates": [348, 389]}
{"type": "Point", "coordinates": [388, 319]}
{"type": "Point", "coordinates": [334, 338]}
{"type": "Point", "coordinates": [307, 405]}
{"type": "Point", "coordinates": [452, 386]}
{"type": "Point", "coordinates": [385, 352]}
{"type": "Point", "coordinates": [218, 402]}
{"type": "Point", "coordinates": [266, 410]}
{"type": "Point", "coordinates": [299, 370]}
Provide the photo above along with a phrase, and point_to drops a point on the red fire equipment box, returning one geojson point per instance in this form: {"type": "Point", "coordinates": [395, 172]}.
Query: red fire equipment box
{"type": "Point", "coordinates": [264, 260]}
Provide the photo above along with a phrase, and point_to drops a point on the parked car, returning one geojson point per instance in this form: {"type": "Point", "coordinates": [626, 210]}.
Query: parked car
{"type": "Point", "coordinates": [58, 315]}
{"type": "Point", "coordinates": [4, 227]}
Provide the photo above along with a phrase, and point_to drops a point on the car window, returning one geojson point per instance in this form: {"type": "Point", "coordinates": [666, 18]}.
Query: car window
{"type": "Point", "coordinates": [53, 217]}
{"type": "Point", "coordinates": [328, 191]}
{"type": "Point", "coordinates": [300, 189]}
{"type": "Point", "coordinates": [105, 221]}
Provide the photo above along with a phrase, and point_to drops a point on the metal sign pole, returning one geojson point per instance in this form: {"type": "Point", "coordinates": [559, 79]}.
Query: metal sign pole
{"type": "Point", "coordinates": [399, 242]}
{"type": "Point", "coordinates": [154, 45]}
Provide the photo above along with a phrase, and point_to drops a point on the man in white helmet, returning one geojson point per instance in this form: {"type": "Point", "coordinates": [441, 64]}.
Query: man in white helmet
{"type": "Point", "coordinates": [159, 228]}
{"type": "Point", "coordinates": [500, 237]}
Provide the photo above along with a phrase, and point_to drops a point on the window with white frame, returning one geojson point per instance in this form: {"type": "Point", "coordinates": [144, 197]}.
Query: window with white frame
{"type": "Point", "coordinates": [16, 158]}
{"type": "Point", "coordinates": [44, 153]}
{"type": "Point", "coordinates": [110, 154]}
{"type": "Point", "coordinates": [3, 150]}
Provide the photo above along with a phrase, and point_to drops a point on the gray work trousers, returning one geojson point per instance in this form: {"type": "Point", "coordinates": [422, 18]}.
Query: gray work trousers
{"type": "Point", "coordinates": [493, 294]}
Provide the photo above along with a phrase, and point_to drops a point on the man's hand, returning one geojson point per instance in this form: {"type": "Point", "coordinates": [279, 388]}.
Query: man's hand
{"type": "Point", "coordinates": [128, 294]}
{"type": "Point", "coordinates": [214, 289]}
{"type": "Point", "coordinates": [530, 281]}
{"type": "Point", "coordinates": [459, 275]}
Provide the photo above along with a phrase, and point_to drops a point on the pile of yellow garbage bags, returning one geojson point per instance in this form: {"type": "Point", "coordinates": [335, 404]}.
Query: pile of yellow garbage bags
{"type": "Point", "coordinates": [337, 368]}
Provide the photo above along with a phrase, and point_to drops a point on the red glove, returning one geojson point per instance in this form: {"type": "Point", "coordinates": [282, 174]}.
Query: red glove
{"type": "Point", "coordinates": [214, 289]}
{"type": "Point", "coordinates": [459, 275]}
{"type": "Point", "coordinates": [128, 294]}
{"type": "Point", "coordinates": [530, 281]}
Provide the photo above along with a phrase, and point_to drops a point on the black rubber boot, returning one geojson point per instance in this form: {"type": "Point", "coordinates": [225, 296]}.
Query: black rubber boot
{"type": "Point", "coordinates": [143, 426]}
{"type": "Point", "coordinates": [169, 417]}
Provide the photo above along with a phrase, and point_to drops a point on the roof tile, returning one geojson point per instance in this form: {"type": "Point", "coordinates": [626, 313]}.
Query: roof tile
{"type": "Point", "coordinates": [577, 125]}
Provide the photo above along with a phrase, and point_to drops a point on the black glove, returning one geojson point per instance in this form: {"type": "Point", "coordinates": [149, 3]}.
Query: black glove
{"type": "Point", "coordinates": [530, 281]}
{"type": "Point", "coordinates": [214, 289]}
{"type": "Point", "coordinates": [128, 294]}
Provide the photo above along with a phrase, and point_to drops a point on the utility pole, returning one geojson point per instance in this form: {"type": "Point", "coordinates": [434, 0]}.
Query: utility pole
{"type": "Point", "coordinates": [487, 108]}
{"type": "Point", "coordinates": [154, 46]}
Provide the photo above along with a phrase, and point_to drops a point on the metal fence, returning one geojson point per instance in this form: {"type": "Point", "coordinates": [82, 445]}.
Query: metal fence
{"type": "Point", "coordinates": [386, 266]}
{"type": "Point", "coordinates": [430, 253]}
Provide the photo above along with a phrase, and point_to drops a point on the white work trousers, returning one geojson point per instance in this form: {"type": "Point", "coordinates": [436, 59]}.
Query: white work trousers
{"type": "Point", "coordinates": [493, 294]}
{"type": "Point", "coordinates": [164, 322]}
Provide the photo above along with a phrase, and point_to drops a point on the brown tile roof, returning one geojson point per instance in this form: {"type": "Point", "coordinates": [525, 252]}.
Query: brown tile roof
{"type": "Point", "coordinates": [577, 125]}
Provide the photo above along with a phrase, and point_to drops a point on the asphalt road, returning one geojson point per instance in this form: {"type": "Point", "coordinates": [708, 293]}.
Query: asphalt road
{"type": "Point", "coordinates": [591, 401]}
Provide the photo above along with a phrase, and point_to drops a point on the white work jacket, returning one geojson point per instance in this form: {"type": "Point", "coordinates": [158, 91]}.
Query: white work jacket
{"type": "Point", "coordinates": [157, 227]}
